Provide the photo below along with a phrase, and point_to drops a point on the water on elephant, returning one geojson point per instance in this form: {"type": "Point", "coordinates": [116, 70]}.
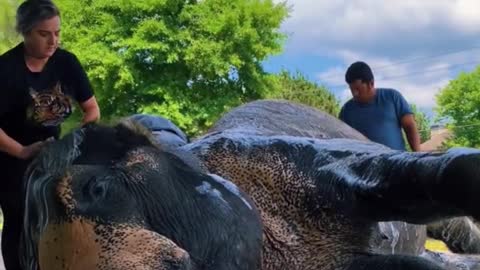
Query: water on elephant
{"type": "Point", "coordinates": [399, 238]}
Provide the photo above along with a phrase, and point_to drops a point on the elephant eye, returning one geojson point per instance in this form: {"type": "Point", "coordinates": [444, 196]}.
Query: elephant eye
{"type": "Point", "coordinates": [96, 188]}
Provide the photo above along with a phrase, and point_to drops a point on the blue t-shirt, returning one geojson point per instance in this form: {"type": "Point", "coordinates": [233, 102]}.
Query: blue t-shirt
{"type": "Point", "coordinates": [380, 119]}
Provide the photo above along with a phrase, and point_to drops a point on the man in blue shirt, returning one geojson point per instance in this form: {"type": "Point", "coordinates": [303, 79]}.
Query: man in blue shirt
{"type": "Point", "coordinates": [378, 113]}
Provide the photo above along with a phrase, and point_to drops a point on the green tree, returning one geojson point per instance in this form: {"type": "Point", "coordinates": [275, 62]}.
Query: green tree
{"type": "Point", "coordinates": [8, 36]}
{"type": "Point", "coordinates": [459, 102]}
{"type": "Point", "coordinates": [297, 88]}
{"type": "Point", "coordinates": [187, 60]}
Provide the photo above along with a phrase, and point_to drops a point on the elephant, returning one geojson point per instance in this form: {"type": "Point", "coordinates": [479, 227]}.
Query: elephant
{"type": "Point", "coordinates": [110, 198]}
{"type": "Point", "coordinates": [272, 185]}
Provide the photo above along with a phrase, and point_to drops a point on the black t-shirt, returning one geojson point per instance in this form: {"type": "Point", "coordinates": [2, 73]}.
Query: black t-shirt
{"type": "Point", "coordinates": [34, 104]}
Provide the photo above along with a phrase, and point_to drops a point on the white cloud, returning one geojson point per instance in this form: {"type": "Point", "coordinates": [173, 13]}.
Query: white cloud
{"type": "Point", "coordinates": [413, 46]}
{"type": "Point", "coordinates": [466, 15]}
{"type": "Point", "coordinates": [402, 27]}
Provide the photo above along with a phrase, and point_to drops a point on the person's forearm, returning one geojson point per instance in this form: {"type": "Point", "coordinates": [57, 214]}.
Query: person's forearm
{"type": "Point", "coordinates": [91, 116]}
{"type": "Point", "coordinates": [413, 138]}
{"type": "Point", "coordinates": [9, 145]}
{"type": "Point", "coordinates": [91, 111]}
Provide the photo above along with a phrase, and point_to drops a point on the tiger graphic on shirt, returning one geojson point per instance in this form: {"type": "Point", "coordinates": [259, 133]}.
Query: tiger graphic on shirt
{"type": "Point", "coordinates": [49, 107]}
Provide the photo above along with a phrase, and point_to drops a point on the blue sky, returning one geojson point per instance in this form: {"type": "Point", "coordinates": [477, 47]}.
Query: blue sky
{"type": "Point", "coordinates": [414, 46]}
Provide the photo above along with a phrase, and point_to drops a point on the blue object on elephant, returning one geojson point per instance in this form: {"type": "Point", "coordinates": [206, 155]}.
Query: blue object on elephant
{"type": "Point", "coordinates": [164, 131]}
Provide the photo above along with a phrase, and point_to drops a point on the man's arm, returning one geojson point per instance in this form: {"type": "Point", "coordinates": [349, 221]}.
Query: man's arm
{"type": "Point", "coordinates": [410, 127]}
{"type": "Point", "coordinates": [91, 111]}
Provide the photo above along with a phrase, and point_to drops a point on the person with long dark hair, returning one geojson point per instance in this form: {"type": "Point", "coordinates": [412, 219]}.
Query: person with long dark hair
{"type": "Point", "coordinates": [38, 84]}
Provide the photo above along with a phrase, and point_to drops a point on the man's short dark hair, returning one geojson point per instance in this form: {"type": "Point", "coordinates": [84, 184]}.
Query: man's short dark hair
{"type": "Point", "coordinates": [359, 71]}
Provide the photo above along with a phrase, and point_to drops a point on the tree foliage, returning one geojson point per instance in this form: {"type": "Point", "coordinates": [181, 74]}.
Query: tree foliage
{"type": "Point", "coordinates": [187, 60]}
{"type": "Point", "coordinates": [297, 88]}
{"type": "Point", "coordinates": [459, 102]}
{"type": "Point", "coordinates": [8, 36]}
